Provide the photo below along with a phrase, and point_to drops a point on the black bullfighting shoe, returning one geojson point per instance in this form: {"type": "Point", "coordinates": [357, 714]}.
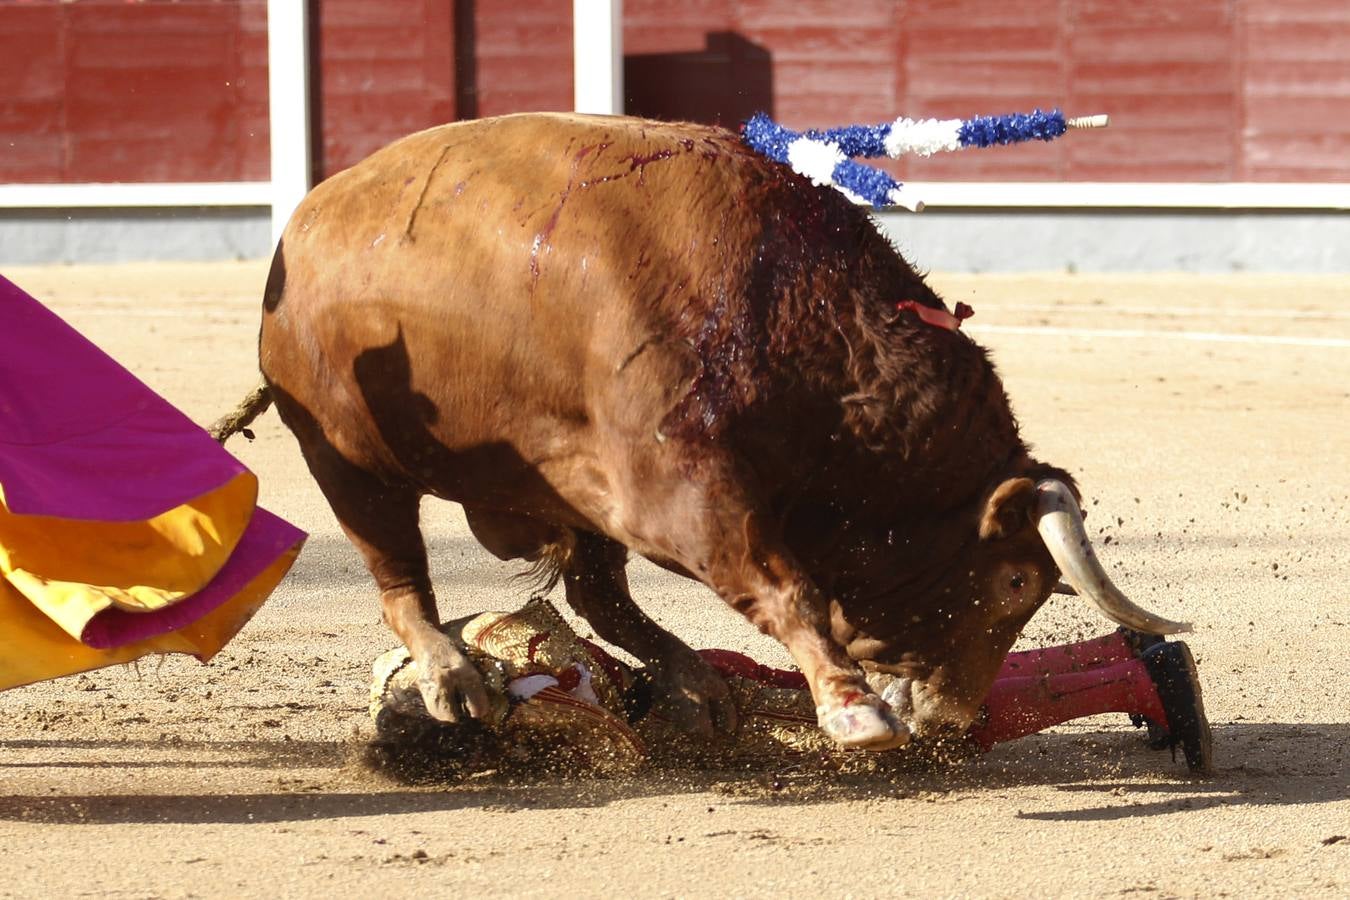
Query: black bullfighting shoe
{"type": "Point", "coordinates": [1173, 671]}
{"type": "Point", "coordinates": [1139, 642]}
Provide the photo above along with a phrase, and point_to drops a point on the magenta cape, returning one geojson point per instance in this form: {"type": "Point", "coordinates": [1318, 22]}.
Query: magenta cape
{"type": "Point", "coordinates": [124, 528]}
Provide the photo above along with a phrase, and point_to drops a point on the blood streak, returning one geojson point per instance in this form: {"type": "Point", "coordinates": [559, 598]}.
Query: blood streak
{"type": "Point", "coordinates": [542, 236]}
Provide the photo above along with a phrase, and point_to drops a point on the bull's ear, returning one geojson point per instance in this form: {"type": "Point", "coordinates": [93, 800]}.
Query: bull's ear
{"type": "Point", "coordinates": [1008, 509]}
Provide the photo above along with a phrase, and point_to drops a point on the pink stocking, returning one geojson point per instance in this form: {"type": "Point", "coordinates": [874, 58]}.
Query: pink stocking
{"type": "Point", "coordinates": [1105, 650]}
{"type": "Point", "coordinates": [1019, 706]}
{"type": "Point", "coordinates": [1034, 690]}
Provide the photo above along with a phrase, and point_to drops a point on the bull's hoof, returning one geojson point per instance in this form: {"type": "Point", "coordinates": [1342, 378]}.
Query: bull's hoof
{"type": "Point", "coordinates": [896, 692]}
{"type": "Point", "coordinates": [452, 689]}
{"type": "Point", "coordinates": [863, 725]}
{"type": "Point", "coordinates": [691, 695]}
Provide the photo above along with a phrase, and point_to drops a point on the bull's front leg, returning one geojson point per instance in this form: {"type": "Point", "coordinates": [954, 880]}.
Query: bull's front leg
{"type": "Point", "coordinates": [713, 531]}
{"type": "Point", "coordinates": [768, 587]}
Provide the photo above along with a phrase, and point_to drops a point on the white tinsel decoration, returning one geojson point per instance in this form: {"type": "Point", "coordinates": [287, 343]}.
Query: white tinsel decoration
{"type": "Point", "coordinates": [923, 137]}
{"type": "Point", "coordinates": [814, 159]}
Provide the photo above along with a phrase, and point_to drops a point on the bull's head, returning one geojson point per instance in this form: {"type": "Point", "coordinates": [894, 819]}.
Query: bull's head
{"type": "Point", "coordinates": [933, 641]}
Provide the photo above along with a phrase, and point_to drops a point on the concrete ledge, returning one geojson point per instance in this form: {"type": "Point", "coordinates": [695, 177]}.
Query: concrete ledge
{"type": "Point", "coordinates": [37, 236]}
{"type": "Point", "coordinates": [950, 240]}
{"type": "Point", "coordinates": [1121, 240]}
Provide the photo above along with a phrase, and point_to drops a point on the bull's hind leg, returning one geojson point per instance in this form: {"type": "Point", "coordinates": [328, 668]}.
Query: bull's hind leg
{"type": "Point", "coordinates": [686, 689]}
{"type": "Point", "coordinates": [381, 520]}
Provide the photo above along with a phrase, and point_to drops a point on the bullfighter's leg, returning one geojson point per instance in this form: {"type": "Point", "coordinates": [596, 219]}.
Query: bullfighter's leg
{"type": "Point", "coordinates": [381, 520]}
{"type": "Point", "coordinates": [1161, 685]}
{"type": "Point", "coordinates": [1118, 646]}
{"type": "Point", "coordinates": [1020, 705]}
{"type": "Point", "coordinates": [688, 691]}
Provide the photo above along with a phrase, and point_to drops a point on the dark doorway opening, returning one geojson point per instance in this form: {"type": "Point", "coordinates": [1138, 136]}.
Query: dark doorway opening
{"type": "Point", "coordinates": [723, 84]}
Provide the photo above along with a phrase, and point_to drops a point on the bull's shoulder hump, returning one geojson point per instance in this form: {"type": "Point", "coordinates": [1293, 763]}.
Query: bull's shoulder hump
{"type": "Point", "coordinates": [552, 167]}
{"type": "Point", "coordinates": [549, 129]}
{"type": "Point", "coordinates": [532, 139]}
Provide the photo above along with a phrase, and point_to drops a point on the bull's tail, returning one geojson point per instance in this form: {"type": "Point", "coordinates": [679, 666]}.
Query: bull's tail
{"type": "Point", "coordinates": [253, 405]}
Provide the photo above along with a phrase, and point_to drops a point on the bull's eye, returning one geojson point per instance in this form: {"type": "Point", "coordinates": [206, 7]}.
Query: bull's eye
{"type": "Point", "coordinates": [1018, 582]}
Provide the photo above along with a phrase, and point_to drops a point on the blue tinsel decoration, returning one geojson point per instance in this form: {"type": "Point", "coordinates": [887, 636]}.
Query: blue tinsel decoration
{"type": "Point", "coordinates": [869, 141]}
{"type": "Point", "coordinates": [986, 131]}
{"type": "Point", "coordinates": [856, 140]}
{"type": "Point", "coordinates": [767, 137]}
{"type": "Point", "coordinates": [873, 185]}
{"type": "Point", "coordinates": [771, 139]}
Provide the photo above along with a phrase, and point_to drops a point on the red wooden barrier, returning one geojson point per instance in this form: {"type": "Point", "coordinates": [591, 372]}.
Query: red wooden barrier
{"type": "Point", "coordinates": [1205, 90]}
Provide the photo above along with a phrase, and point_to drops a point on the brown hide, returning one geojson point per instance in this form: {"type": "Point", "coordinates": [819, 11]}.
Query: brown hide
{"type": "Point", "coordinates": [629, 329]}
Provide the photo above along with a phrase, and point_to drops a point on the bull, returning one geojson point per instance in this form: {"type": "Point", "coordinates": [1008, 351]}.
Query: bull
{"type": "Point", "coordinates": [609, 336]}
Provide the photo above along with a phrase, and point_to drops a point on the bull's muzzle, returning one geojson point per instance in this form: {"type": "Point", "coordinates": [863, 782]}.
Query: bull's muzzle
{"type": "Point", "coordinates": [1060, 523]}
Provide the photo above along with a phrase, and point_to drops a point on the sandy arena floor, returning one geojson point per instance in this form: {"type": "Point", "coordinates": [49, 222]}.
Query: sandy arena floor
{"type": "Point", "coordinates": [1208, 418]}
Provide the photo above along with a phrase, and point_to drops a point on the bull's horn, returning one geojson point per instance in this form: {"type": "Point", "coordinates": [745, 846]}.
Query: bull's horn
{"type": "Point", "coordinates": [1060, 523]}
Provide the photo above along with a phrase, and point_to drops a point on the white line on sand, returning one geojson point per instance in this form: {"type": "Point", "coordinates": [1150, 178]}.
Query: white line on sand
{"type": "Point", "coordinates": [1204, 312]}
{"type": "Point", "coordinates": [1211, 337]}
{"type": "Point", "coordinates": [153, 312]}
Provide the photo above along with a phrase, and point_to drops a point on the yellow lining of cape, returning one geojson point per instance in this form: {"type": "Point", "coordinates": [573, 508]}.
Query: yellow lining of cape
{"type": "Point", "coordinates": [72, 570]}
{"type": "Point", "coordinates": [33, 648]}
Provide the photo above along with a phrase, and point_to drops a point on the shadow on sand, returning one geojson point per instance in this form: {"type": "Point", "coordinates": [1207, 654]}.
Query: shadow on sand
{"type": "Point", "coordinates": [1110, 771]}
